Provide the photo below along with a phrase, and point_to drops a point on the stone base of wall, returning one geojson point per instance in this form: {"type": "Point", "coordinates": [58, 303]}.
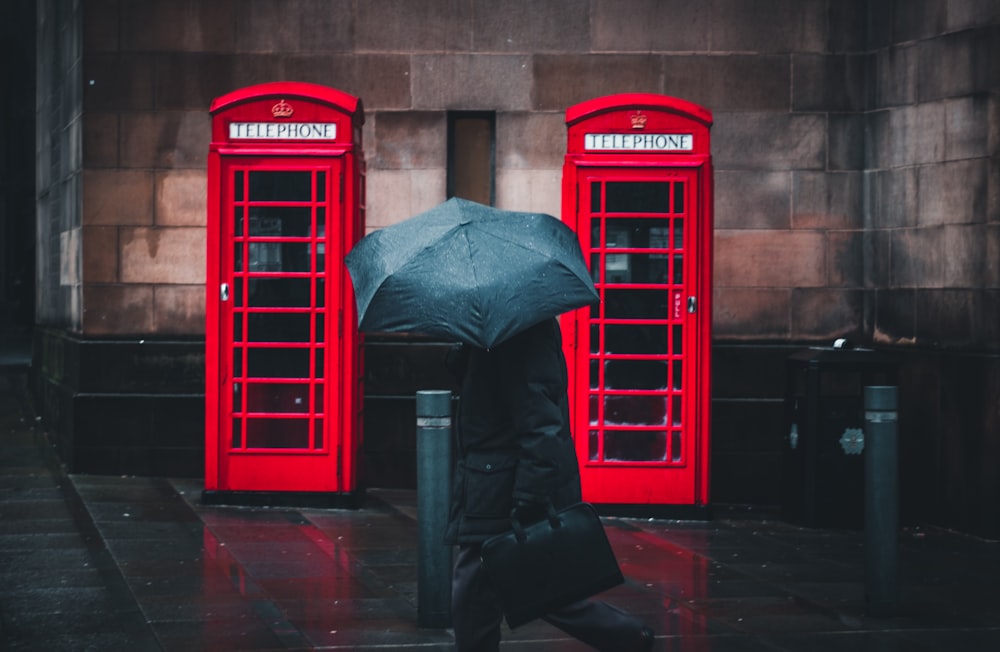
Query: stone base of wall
{"type": "Point", "coordinates": [122, 407]}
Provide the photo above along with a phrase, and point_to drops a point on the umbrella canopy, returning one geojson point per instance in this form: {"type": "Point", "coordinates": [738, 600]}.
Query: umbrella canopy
{"type": "Point", "coordinates": [469, 272]}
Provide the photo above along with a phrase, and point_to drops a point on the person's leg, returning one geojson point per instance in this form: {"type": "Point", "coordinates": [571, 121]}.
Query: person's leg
{"type": "Point", "coordinates": [475, 611]}
{"type": "Point", "coordinates": [602, 626]}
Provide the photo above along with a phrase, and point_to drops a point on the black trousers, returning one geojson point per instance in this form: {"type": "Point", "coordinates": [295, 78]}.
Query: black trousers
{"type": "Point", "coordinates": [476, 614]}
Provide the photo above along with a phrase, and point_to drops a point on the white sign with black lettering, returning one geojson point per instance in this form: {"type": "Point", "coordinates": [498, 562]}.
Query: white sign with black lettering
{"type": "Point", "coordinates": [640, 142]}
{"type": "Point", "coordinates": [283, 130]}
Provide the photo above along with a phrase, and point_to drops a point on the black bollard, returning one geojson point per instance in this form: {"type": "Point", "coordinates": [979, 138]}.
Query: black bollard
{"type": "Point", "coordinates": [881, 500]}
{"type": "Point", "coordinates": [433, 490]}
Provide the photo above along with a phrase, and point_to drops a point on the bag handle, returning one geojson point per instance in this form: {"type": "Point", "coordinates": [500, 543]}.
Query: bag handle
{"type": "Point", "coordinates": [551, 514]}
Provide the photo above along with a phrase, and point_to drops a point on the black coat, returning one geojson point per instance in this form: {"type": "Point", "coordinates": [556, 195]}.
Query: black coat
{"type": "Point", "coordinates": [513, 434]}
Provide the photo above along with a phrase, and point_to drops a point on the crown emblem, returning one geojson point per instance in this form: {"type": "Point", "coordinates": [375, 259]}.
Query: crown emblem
{"type": "Point", "coordinates": [639, 120]}
{"type": "Point", "coordinates": [282, 110]}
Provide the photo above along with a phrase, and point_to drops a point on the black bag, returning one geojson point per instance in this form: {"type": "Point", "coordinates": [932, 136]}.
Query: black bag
{"type": "Point", "coordinates": [549, 564]}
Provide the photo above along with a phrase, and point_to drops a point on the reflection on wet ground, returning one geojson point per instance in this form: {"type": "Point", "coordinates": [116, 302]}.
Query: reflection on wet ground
{"type": "Point", "coordinates": [114, 563]}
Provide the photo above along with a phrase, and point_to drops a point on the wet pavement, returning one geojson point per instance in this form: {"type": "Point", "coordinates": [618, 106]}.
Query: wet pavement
{"type": "Point", "coordinates": [127, 563]}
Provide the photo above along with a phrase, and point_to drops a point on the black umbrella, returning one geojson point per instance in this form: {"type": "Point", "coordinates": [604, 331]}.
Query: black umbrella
{"type": "Point", "coordinates": [469, 272]}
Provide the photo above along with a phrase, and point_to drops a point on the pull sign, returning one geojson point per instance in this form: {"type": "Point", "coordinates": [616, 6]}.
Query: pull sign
{"type": "Point", "coordinates": [224, 292]}
{"type": "Point", "coordinates": [692, 305]}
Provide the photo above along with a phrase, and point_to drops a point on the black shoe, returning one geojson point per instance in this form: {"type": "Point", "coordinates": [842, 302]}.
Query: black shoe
{"type": "Point", "coordinates": [646, 640]}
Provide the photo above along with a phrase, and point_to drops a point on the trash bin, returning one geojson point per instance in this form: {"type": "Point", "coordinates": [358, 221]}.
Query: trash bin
{"type": "Point", "coordinates": [823, 467]}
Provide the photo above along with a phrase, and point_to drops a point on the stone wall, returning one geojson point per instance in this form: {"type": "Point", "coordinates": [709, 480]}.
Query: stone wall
{"type": "Point", "coordinates": [855, 146]}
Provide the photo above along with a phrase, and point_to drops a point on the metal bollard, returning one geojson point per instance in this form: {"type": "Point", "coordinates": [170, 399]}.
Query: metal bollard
{"type": "Point", "coordinates": [881, 499]}
{"type": "Point", "coordinates": [433, 491]}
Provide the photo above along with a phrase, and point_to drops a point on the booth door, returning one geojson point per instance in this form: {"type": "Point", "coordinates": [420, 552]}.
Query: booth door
{"type": "Point", "coordinates": [280, 305]}
{"type": "Point", "coordinates": [635, 432]}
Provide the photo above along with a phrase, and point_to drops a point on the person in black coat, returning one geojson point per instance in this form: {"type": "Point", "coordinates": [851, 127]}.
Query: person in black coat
{"type": "Point", "coordinates": [515, 452]}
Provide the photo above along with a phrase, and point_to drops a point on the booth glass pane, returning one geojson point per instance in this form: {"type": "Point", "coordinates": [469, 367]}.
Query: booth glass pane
{"type": "Point", "coordinates": [237, 398]}
{"type": "Point", "coordinates": [635, 304]}
{"type": "Point", "coordinates": [635, 374]}
{"type": "Point", "coordinates": [279, 327]}
{"type": "Point", "coordinates": [678, 233]}
{"type": "Point", "coordinates": [677, 347]}
{"type": "Point", "coordinates": [238, 186]}
{"type": "Point", "coordinates": [635, 446]}
{"type": "Point", "coordinates": [638, 197]}
{"type": "Point", "coordinates": [321, 186]}
{"type": "Point", "coordinates": [637, 233]}
{"type": "Point", "coordinates": [278, 433]}
{"type": "Point", "coordinates": [278, 363]}
{"type": "Point", "coordinates": [320, 292]}
{"type": "Point", "coordinates": [318, 434]}
{"type": "Point", "coordinates": [280, 293]}
{"type": "Point", "coordinates": [319, 362]}
{"type": "Point", "coordinates": [637, 268]}
{"type": "Point", "coordinates": [678, 270]}
{"type": "Point", "coordinates": [595, 200]}
{"type": "Point", "coordinates": [675, 446]}
{"type": "Point", "coordinates": [679, 198]}
{"type": "Point", "coordinates": [639, 410]}
{"type": "Point", "coordinates": [595, 374]}
{"type": "Point", "coordinates": [594, 446]}
{"type": "Point", "coordinates": [239, 216]}
{"type": "Point", "coordinates": [635, 338]}
{"type": "Point", "coordinates": [237, 362]}
{"type": "Point", "coordinates": [678, 375]}
{"type": "Point", "coordinates": [280, 186]}
{"type": "Point", "coordinates": [280, 221]}
{"type": "Point", "coordinates": [675, 410]}
{"type": "Point", "coordinates": [237, 433]}
{"type": "Point", "coordinates": [278, 398]}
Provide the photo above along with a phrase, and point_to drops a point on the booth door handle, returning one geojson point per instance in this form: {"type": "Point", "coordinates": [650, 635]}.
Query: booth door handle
{"type": "Point", "coordinates": [692, 305]}
{"type": "Point", "coordinates": [224, 292]}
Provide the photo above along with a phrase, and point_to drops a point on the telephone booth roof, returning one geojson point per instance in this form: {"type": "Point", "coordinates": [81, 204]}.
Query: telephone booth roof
{"type": "Point", "coordinates": [631, 101]}
{"type": "Point", "coordinates": [316, 93]}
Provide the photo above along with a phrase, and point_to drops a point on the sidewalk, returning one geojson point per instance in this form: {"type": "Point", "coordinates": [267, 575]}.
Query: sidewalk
{"type": "Point", "coordinates": [125, 563]}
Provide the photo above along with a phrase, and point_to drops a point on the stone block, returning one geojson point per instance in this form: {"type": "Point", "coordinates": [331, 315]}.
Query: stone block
{"type": "Point", "coordinates": [827, 200]}
{"type": "Point", "coordinates": [530, 26]}
{"type": "Point", "coordinates": [382, 81]}
{"type": "Point", "coordinates": [774, 26]}
{"type": "Point", "coordinates": [181, 198]}
{"type": "Point", "coordinates": [100, 140]}
{"type": "Point", "coordinates": [895, 316]}
{"type": "Point", "coordinates": [747, 199]}
{"type": "Point", "coordinates": [530, 140]}
{"type": "Point", "coordinates": [952, 65]}
{"type": "Point", "coordinates": [166, 139]}
{"type": "Point", "coordinates": [293, 25]}
{"type": "Point", "coordinates": [117, 197]}
{"type": "Point", "coordinates": [118, 82]}
{"type": "Point", "coordinates": [649, 26]}
{"type": "Point", "coordinates": [846, 141]}
{"type": "Point", "coordinates": [409, 140]}
{"type": "Point", "coordinates": [949, 256]}
{"type": "Point", "coordinates": [413, 26]}
{"type": "Point", "coordinates": [394, 195]}
{"type": "Point", "coordinates": [952, 193]}
{"type": "Point", "coordinates": [117, 309]}
{"type": "Point", "coordinates": [769, 141]}
{"type": "Point", "coordinates": [831, 82]}
{"type": "Point", "coordinates": [769, 259]}
{"type": "Point", "coordinates": [947, 317]}
{"type": "Point", "coordinates": [750, 313]}
{"type": "Point", "coordinates": [894, 194]}
{"type": "Point", "coordinates": [163, 255]}
{"type": "Point", "coordinates": [530, 190]}
{"type": "Point", "coordinates": [848, 25]}
{"type": "Point", "coordinates": [472, 82]}
{"type": "Point", "coordinates": [967, 128]}
{"type": "Point", "coordinates": [845, 253]}
{"type": "Point", "coordinates": [193, 80]}
{"type": "Point", "coordinates": [729, 83]}
{"type": "Point", "coordinates": [826, 314]}
{"type": "Point", "coordinates": [179, 25]}
{"type": "Point", "coordinates": [562, 80]}
{"type": "Point", "coordinates": [100, 254]}
{"type": "Point", "coordinates": [179, 310]}
{"type": "Point", "coordinates": [896, 76]}
{"type": "Point", "coordinates": [915, 135]}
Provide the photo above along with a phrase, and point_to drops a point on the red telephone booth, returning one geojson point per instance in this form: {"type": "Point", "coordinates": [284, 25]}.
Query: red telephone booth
{"type": "Point", "coordinates": [637, 189]}
{"type": "Point", "coordinates": [285, 204]}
